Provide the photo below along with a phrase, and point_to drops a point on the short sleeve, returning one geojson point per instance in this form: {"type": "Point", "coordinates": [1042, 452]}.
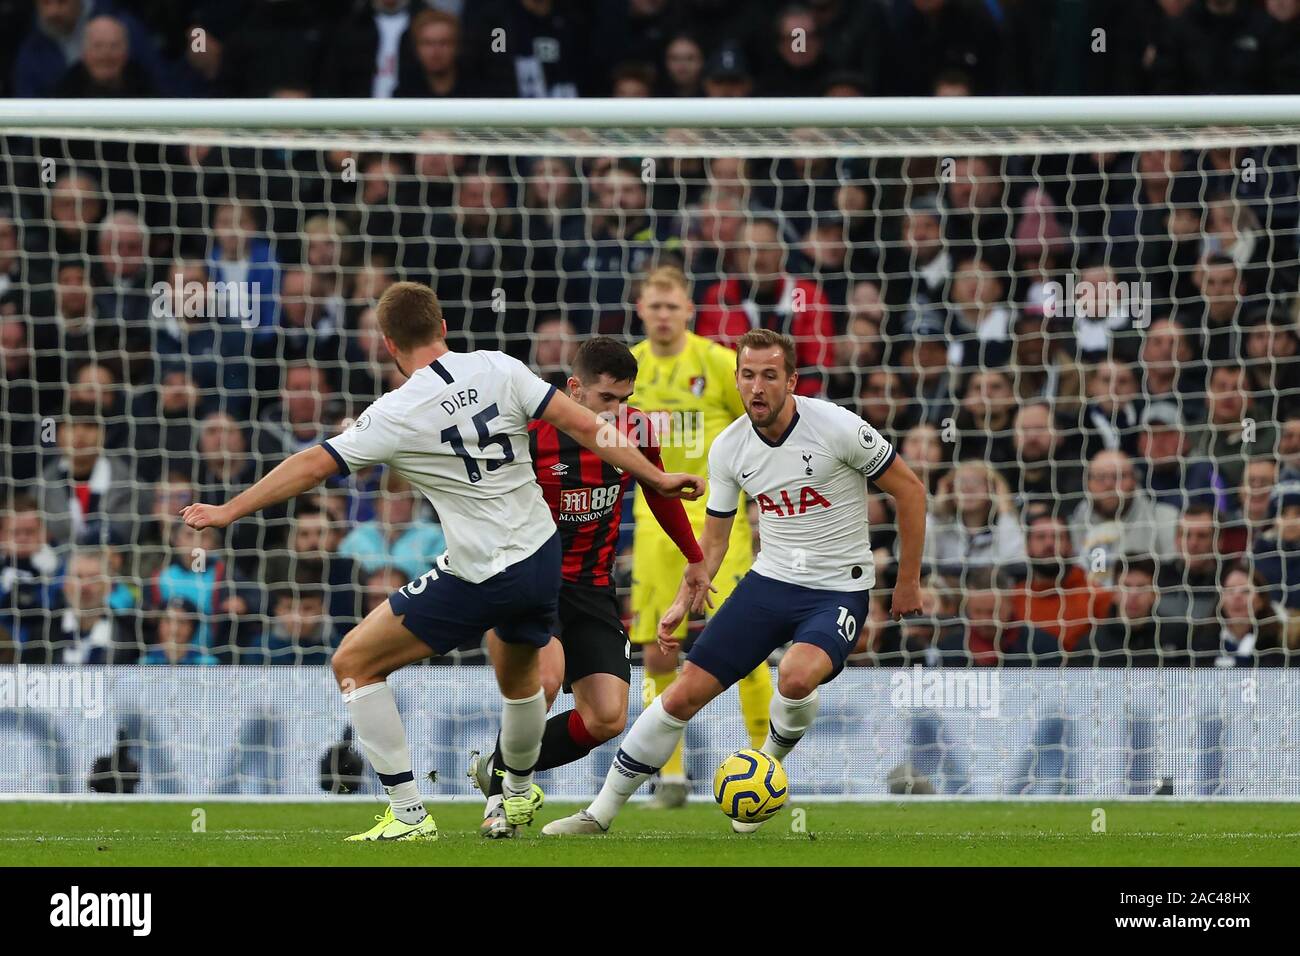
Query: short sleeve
{"type": "Point", "coordinates": [371, 440]}
{"type": "Point", "coordinates": [533, 393]}
{"type": "Point", "coordinates": [862, 447]}
{"type": "Point", "coordinates": [724, 492]}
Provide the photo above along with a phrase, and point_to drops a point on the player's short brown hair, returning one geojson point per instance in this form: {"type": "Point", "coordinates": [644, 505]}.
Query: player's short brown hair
{"type": "Point", "coordinates": [667, 277]}
{"type": "Point", "coordinates": [410, 315]}
{"type": "Point", "coordinates": [767, 339]}
{"type": "Point", "coordinates": [602, 355]}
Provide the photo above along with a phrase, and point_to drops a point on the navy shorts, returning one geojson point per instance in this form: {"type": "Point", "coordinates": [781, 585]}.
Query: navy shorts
{"type": "Point", "coordinates": [520, 603]}
{"type": "Point", "coordinates": [762, 615]}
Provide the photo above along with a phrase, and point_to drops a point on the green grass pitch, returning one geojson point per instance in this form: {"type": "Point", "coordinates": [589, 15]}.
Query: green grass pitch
{"type": "Point", "coordinates": [824, 834]}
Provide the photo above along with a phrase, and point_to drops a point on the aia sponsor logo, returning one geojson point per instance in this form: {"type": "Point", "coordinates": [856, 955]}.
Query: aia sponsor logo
{"type": "Point", "coordinates": [786, 506]}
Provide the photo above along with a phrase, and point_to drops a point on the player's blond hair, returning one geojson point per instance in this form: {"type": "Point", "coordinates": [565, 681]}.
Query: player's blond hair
{"type": "Point", "coordinates": [410, 314]}
{"type": "Point", "coordinates": [667, 277]}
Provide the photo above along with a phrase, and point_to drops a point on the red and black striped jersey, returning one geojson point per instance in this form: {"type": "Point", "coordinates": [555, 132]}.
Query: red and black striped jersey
{"type": "Point", "coordinates": [585, 494]}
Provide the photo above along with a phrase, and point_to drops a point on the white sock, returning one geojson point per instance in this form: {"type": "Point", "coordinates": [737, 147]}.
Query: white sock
{"type": "Point", "coordinates": [378, 728]}
{"type": "Point", "coordinates": [789, 721]}
{"type": "Point", "coordinates": [522, 725]}
{"type": "Point", "coordinates": [648, 745]}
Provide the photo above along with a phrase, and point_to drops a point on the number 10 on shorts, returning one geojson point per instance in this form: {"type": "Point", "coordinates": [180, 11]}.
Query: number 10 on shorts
{"type": "Point", "coordinates": [848, 625]}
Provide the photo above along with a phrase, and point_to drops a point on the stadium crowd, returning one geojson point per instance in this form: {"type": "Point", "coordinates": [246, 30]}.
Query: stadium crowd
{"type": "Point", "coordinates": [1114, 482]}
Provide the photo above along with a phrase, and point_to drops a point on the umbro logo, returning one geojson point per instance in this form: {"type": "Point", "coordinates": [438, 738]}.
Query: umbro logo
{"type": "Point", "coordinates": [559, 468]}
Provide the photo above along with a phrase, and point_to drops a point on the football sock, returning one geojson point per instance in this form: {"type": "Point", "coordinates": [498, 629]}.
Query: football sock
{"type": "Point", "coordinates": [379, 730]}
{"type": "Point", "coordinates": [755, 690]}
{"type": "Point", "coordinates": [648, 744]}
{"type": "Point", "coordinates": [565, 740]}
{"type": "Point", "coordinates": [522, 723]}
{"type": "Point", "coordinates": [790, 720]}
{"type": "Point", "coordinates": [674, 768]}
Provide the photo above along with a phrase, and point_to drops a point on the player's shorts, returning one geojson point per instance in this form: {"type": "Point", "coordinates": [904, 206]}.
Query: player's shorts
{"type": "Point", "coordinates": [657, 569]}
{"type": "Point", "coordinates": [520, 603]}
{"type": "Point", "coordinates": [591, 632]}
{"type": "Point", "coordinates": [764, 614]}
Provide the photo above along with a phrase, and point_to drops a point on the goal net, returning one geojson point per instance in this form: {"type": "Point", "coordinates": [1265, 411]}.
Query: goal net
{"type": "Point", "coordinates": [1076, 321]}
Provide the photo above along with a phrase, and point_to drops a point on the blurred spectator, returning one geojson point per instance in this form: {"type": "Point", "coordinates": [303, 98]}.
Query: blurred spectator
{"type": "Point", "coordinates": [797, 60]}
{"type": "Point", "coordinates": [396, 538]}
{"type": "Point", "coordinates": [862, 346]}
{"type": "Point", "coordinates": [1168, 370]}
{"type": "Point", "coordinates": [106, 67]}
{"type": "Point", "coordinates": [632, 80]}
{"type": "Point", "coordinates": [1235, 430]}
{"type": "Point", "coordinates": [299, 631]}
{"type": "Point", "coordinates": [929, 378]}
{"type": "Point", "coordinates": [1137, 635]}
{"type": "Point", "coordinates": [434, 70]}
{"type": "Point", "coordinates": [622, 237]}
{"type": "Point", "coordinates": [242, 258]}
{"type": "Point", "coordinates": [20, 402]}
{"type": "Point", "coordinates": [1117, 518]}
{"type": "Point", "coordinates": [73, 331]}
{"type": "Point", "coordinates": [924, 453]}
{"type": "Point", "coordinates": [1189, 582]}
{"type": "Point", "coordinates": [985, 635]}
{"type": "Point", "coordinates": [122, 275]}
{"type": "Point", "coordinates": [726, 74]}
{"type": "Point", "coordinates": [307, 402]}
{"type": "Point", "coordinates": [930, 36]}
{"type": "Point", "coordinates": [312, 557]}
{"type": "Point", "coordinates": [683, 67]}
{"type": "Point", "coordinates": [75, 207]}
{"type": "Point", "coordinates": [1217, 46]}
{"type": "Point", "coordinates": [881, 402]}
{"type": "Point", "coordinates": [1111, 420]}
{"type": "Point", "coordinates": [974, 521]}
{"type": "Point", "coordinates": [1048, 474]}
{"type": "Point", "coordinates": [1169, 472]}
{"type": "Point", "coordinates": [176, 635]}
{"type": "Point", "coordinates": [1288, 447]}
{"type": "Point", "coordinates": [555, 343]}
{"type": "Point", "coordinates": [1253, 630]}
{"type": "Point", "coordinates": [88, 631]}
{"type": "Point", "coordinates": [764, 295]}
{"type": "Point", "coordinates": [1057, 597]}
{"type": "Point", "coordinates": [369, 52]}
{"type": "Point", "coordinates": [29, 572]}
{"type": "Point", "coordinates": [197, 573]}
{"type": "Point", "coordinates": [379, 585]}
{"type": "Point", "coordinates": [59, 36]}
{"type": "Point", "coordinates": [1276, 554]}
{"type": "Point", "coordinates": [1272, 363]}
{"type": "Point", "coordinates": [530, 48]}
{"type": "Point", "coordinates": [985, 419]}
{"type": "Point", "coordinates": [84, 484]}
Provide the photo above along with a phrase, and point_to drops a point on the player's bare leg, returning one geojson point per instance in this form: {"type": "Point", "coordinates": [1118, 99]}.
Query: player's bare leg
{"type": "Point", "coordinates": [599, 714]}
{"type": "Point", "coordinates": [794, 705]}
{"type": "Point", "coordinates": [648, 744]}
{"type": "Point", "coordinates": [375, 648]}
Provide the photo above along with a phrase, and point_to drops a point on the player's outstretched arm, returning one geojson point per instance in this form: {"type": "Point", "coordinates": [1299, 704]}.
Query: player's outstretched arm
{"type": "Point", "coordinates": [693, 595]}
{"type": "Point", "coordinates": [613, 446]}
{"type": "Point", "coordinates": [908, 492]}
{"type": "Point", "coordinates": [297, 473]}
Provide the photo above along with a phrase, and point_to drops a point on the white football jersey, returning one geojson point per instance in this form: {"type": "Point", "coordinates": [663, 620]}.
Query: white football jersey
{"type": "Point", "coordinates": [811, 492]}
{"type": "Point", "coordinates": [458, 432]}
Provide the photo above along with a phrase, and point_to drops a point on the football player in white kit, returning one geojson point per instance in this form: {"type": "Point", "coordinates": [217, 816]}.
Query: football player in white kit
{"type": "Point", "coordinates": [806, 463]}
{"type": "Point", "coordinates": [457, 429]}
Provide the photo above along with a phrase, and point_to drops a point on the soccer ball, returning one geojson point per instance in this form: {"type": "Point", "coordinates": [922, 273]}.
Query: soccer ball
{"type": "Point", "coordinates": [750, 786]}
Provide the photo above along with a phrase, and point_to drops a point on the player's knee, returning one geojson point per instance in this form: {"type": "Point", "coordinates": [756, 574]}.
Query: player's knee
{"type": "Point", "coordinates": [798, 683]}
{"type": "Point", "coordinates": [606, 725]}
{"type": "Point", "coordinates": [348, 664]}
